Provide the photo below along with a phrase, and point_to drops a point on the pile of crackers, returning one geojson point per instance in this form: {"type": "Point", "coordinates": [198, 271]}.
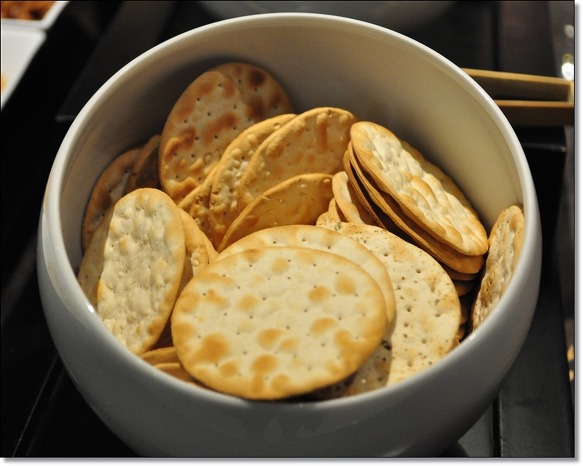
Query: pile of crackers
{"type": "Point", "coordinates": [271, 255]}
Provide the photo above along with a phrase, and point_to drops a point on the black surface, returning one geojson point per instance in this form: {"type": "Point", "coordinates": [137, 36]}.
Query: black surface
{"type": "Point", "coordinates": [43, 414]}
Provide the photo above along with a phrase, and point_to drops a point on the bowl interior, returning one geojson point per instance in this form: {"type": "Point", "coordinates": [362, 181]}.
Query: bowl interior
{"type": "Point", "coordinates": [378, 75]}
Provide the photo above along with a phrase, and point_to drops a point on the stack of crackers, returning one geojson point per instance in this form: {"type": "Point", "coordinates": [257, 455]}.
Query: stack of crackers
{"type": "Point", "coordinates": [269, 254]}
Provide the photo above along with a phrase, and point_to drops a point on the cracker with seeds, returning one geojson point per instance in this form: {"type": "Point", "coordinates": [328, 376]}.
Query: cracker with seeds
{"type": "Point", "coordinates": [225, 181]}
{"type": "Point", "coordinates": [314, 237]}
{"type": "Point", "coordinates": [423, 191]}
{"type": "Point", "coordinates": [208, 115]}
{"type": "Point", "coordinates": [312, 142]}
{"type": "Point", "coordinates": [428, 311]}
{"type": "Point", "coordinates": [110, 186]}
{"type": "Point", "coordinates": [133, 267]}
{"type": "Point", "coordinates": [298, 200]}
{"type": "Point", "coordinates": [277, 322]}
{"type": "Point", "coordinates": [505, 240]}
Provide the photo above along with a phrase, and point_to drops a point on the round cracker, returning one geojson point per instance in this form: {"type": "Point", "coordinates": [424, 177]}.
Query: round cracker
{"type": "Point", "coordinates": [277, 322]}
{"type": "Point", "coordinates": [144, 173]}
{"type": "Point", "coordinates": [110, 186]}
{"type": "Point", "coordinates": [324, 239]}
{"type": "Point", "coordinates": [312, 142]}
{"type": "Point", "coordinates": [505, 240]}
{"type": "Point", "coordinates": [209, 114]}
{"type": "Point", "coordinates": [133, 267]}
{"type": "Point", "coordinates": [298, 200]}
{"type": "Point", "coordinates": [348, 202]}
{"type": "Point", "coordinates": [428, 311]}
{"type": "Point", "coordinates": [225, 181]}
{"type": "Point", "coordinates": [399, 220]}
{"type": "Point", "coordinates": [423, 191]}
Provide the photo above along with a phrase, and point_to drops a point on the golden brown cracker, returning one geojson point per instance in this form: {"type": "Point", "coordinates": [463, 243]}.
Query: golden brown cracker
{"type": "Point", "coordinates": [423, 191]}
{"type": "Point", "coordinates": [277, 322]}
{"type": "Point", "coordinates": [298, 200]}
{"type": "Point", "coordinates": [312, 142]}
{"type": "Point", "coordinates": [209, 114]}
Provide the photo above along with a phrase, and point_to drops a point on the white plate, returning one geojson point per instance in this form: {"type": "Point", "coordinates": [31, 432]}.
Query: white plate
{"type": "Point", "coordinates": [19, 46]}
{"type": "Point", "coordinates": [45, 23]}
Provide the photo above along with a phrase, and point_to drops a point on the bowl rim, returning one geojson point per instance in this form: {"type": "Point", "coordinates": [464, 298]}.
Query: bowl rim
{"type": "Point", "coordinates": [76, 297]}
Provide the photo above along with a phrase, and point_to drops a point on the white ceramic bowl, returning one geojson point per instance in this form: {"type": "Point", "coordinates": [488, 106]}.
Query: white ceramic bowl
{"type": "Point", "coordinates": [320, 60]}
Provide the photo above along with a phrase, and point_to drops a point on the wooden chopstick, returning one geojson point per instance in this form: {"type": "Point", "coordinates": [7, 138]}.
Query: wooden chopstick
{"type": "Point", "coordinates": [529, 100]}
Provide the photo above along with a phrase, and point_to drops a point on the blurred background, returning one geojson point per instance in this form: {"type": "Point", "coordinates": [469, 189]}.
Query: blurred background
{"type": "Point", "coordinates": [55, 55]}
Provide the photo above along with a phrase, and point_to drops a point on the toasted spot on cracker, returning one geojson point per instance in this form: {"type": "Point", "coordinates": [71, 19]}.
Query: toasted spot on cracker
{"type": "Point", "coordinates": [213, 347]}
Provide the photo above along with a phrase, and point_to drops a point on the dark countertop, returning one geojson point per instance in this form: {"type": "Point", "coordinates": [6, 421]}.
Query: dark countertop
{"type": "Point", "coordinates": [43, 414]}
